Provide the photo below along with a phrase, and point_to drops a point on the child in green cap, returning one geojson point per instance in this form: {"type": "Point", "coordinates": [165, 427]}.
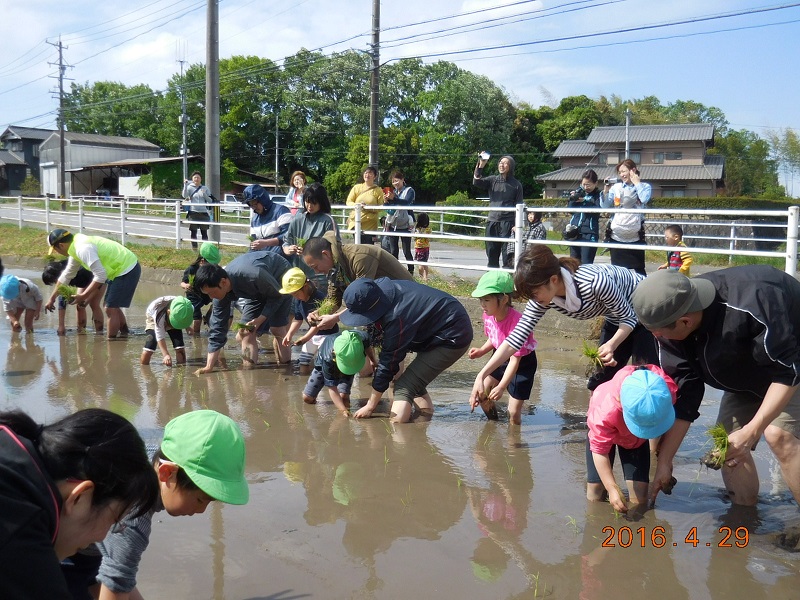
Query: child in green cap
{"type": "Point", "coordinates": [495, 289]}
{"type": "Point", "coordinates": [201, 459]}
{"type": "Point", "coordinates": [166, 316]}
{"type": "Point", "coordinates": [209, 254]}
{"type": "Point", "coordinates": [339, 358]}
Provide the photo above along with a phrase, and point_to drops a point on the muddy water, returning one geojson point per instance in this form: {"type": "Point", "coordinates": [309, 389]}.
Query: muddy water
{"type": "Point", "coordinates": [455, 508]}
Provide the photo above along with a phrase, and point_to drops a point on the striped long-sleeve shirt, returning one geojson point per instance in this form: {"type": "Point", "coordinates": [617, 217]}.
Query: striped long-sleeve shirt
{"type": "Point", "coordinates": [603, 290]}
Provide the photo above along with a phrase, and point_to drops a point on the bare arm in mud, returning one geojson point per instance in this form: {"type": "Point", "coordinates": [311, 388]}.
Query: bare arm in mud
{"type": "Point", "coordinates": [667, 448]}
{"type": "Point", "coordinates": [603, 465]}
{"type": "Point", "coordinates": [606, 351]}
{"type": "Point", "coordinates": [503, 353]}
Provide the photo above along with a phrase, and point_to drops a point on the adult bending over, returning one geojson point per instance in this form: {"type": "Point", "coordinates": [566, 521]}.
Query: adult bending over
{"type": "Point", "coordinates": [408, 317]}
{"type": "Point", "coordinates": [581, 292]}
{"type": "Point", "coordinates": [736, 330]}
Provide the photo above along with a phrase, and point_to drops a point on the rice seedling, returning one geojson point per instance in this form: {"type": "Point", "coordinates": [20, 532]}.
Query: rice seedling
{"type": "Point", "coordinates": [326, 307]}
{"type": "Point", "coordinates": [242, 326]}
{"type": "Point", "coordinates": [573, 524]}
{"type": "Point", "coordinates": [590, 351]}
{"type": "Point", "coordinates": [252, 237]}
{"type": "Point", "coordinates": [407, 500]}
{"type": "Point", "coordinates": [68, 292]}
{"type": "Point", "coordinates": [301, 242]}
{"type": "Point", "coordinates": [715, 458]}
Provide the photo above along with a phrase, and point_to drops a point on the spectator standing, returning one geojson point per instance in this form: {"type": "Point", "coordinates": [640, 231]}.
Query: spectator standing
{"type": "Point", "coordinates": [422, 244]}
{"type": "Point", "coordinates": [399, 220]}
{"type": "Point", "coordinates": [677, 260]}
{"type": "Point", "coordinates": [627, 227]}
{"type": "Point", "coordinates": [199, 197]}
{"type": "Point", "coordinates": [504, 191]}
{"type": "Point", "coordinates": [586, 224]}
{"type": "Point", "coordinates": [269, 222]}
{"type": "Point", "coordinates": [370, 194]}
{"type": "Point", "coordinates": [294, 197]}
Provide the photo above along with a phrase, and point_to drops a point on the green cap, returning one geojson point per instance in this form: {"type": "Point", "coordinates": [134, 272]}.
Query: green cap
{"type": "Point", "coordinates": [181, 312]}
{"type": "Point", "coordinates": [210, 252]}
{"type": "Point", "coordinates": [350, 355]}
{"type": "Point", "coordinates": [494, 282]}
{"type": "Point", "coordinates": [209, 447]}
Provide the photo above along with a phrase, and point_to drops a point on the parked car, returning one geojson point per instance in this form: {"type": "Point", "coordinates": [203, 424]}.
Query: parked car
{"type": "Point", "coordinates": [232, 204]}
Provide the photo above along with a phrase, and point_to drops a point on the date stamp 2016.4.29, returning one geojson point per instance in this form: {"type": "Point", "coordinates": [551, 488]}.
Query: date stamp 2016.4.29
{"type": "Point", "coordinates": [641, 537]}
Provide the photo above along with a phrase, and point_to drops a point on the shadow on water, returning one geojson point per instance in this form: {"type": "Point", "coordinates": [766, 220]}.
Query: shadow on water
{"type": "Point", "coordinates": [457, 507]}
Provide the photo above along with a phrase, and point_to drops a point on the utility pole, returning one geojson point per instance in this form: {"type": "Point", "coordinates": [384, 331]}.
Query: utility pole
{"type": "Point", "coordinates": [62, 184]}
{"type": "Point", "coordinates": [374, 84]}
{"type": "Point", "coordinates": [184, 149]}
{"type": "Point", "coordinates": [212, 109]}
{"type": "Point", "coordinates": [276, 150]}
{"type": "Point", "coordinates": [627, 133]}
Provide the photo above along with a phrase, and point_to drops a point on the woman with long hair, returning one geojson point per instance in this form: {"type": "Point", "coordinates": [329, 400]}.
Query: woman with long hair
{"type": "Point", "coordinates": [581, 292]}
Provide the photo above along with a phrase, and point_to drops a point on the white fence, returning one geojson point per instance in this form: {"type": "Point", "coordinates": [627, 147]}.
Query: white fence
{"type": "Point", "coordinates": [725, 232]}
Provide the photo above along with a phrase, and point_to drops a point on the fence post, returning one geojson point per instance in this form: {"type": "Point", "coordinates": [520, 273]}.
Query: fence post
{"type": "Point", "coordinates": [80, 214]}
{"type": "Point", "coordinates": [791, 240]}
{"type": "Point", "coordinates": [46, 214]}
{"type": "Point", "coordinates": [19, 210]}
{"type": "Point", "coordinates": [358, 224]}
{"type": "Point", "coordinates": [122, 221]}
{"type": "Point", "coordinates": [519, 224]}
{"type": "Point", "coordinates": [732, 245]}
{"type": "Point", "coordinates": [177, 224]}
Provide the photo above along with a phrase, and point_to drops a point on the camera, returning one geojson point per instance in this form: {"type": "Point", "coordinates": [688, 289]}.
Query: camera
{"type": "Point", "coordinates": [577, 194]}
{"type": "Point", "coordinates": [611, 180]}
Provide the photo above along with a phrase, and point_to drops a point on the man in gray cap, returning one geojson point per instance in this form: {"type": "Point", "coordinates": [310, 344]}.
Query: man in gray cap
{"type": "Point", "coordinates": [737, 330]}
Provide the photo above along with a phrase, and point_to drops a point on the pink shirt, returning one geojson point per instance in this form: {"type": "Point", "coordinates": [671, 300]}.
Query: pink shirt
{"type": "Point", "coordinates": [604, 417]}
{"type": "Point", "coordinates": [498, 331]}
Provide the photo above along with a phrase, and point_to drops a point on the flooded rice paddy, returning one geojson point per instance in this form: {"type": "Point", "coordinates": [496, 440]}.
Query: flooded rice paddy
{"type": "Point", "coordinates": [455, 508]}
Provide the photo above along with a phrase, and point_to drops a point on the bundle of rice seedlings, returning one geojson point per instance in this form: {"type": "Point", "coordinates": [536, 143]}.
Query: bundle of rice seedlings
{"type": "Point", "coordinates": [244, 326]}
{"type": "Point", "coordinates": [715, 458]}
{"type": "Point", "coordinates": [68, 292]}
{"type": "Point", "coordinates": [590, 351]}
{"type": "Point", "coordinates": [301, 242]}
{"type": "Point", "coordinates": [252, 237]}
{"type": "Point", "coordinates": [326, 307]}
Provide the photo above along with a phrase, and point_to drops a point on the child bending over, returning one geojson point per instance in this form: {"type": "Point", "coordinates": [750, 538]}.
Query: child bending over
{"type": "Point", "coordinates": [20, 296]}
{"type": "Point", "coordinates": [167, 315]}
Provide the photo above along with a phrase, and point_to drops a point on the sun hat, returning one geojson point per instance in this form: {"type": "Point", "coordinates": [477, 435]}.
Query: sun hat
{"type": "Point", "coordinates": [494, 282]}
{"type": "Point", "coordinates": [349, 350]}
{"type": "Point", "coordinates": [9, 287]}
{"type": "Point", "coordinates": [181, 312]}
{"type": "Point", "coordinates": [293, 280]}
{"type": "Point", "coordinates": [56, 236]}
{"type": "Point", "coordinates": [646, 404]}
{"type": "Point", "coordinates": [210, 252]}
{"type": "Point", "coordinates": [209, 447]}
{"type": "Point", "coordinates": [665, 296]}
{"type": "Point", "coordinates": [366, 302]}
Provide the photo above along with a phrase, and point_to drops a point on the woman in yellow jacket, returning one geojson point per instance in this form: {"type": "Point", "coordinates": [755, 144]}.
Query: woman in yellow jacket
{"type": "Point", "coordinates": [370, 194]}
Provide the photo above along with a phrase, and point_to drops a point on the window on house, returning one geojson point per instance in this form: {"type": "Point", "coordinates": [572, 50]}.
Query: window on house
{"type": "Point", "coordinates": [16, 146]}
{"type": "Point", "coordinates": [673, 193]}
{"type": "Point", "coordinates": [602, 159]}
{"type": "Point", "coordinates": [658, 158]}
{"type": "Point", "coordinates": [636, 157]}
{"type": "Point", "coordinates": [35, 150]}
{"type": "Point", "coordinates": [673, 155]}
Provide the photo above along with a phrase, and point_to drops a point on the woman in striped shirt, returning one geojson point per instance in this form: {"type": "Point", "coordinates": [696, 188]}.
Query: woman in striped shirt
{"type": "Point", "coordinates": [581, 292]}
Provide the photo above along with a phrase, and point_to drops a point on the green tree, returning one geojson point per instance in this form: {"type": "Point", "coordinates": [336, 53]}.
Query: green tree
{"type": "Point", "coordinates": [749, 170]}
{"type": "Point", "coordinates": [30, 186]}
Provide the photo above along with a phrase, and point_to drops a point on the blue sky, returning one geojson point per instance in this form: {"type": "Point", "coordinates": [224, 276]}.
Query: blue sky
{"type": "Point", "coordinates": [742, 64]}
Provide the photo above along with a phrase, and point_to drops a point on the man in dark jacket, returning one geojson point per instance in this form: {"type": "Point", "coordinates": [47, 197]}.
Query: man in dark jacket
{"type": "Point", "coordinates": [254, 279]}
{"type": "Point", "coordinates": [269, 221]}
{"type": "Point", "coordinates": [407, 317]}
{"type": "Point", "coordinates": [737, 330]}
{"type": "Point", "coordinates": [504, 191]}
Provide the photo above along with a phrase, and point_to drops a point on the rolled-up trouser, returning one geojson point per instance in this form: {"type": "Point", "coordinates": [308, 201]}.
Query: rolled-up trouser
{"type": "Point", "coordinates": [426, 366]}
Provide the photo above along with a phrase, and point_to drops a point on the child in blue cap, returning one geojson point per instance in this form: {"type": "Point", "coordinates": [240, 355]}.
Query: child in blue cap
{"type": "Point", "coordinates": [20, 296]}
{"type": "Point", "coordinates": [499, 319]}
{"type": "Point", "coordinates": [636, 405]}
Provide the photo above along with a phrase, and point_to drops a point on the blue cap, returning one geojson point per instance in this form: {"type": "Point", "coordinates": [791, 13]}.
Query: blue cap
{"type": "Point", "coordinates": [255, 192]}
{"type": "Point", "coordinates": [9, 287]}
{"type": "Point", "coordinates": [365, 301]}
{"type": "Point", "coordinates": [646, 404]}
